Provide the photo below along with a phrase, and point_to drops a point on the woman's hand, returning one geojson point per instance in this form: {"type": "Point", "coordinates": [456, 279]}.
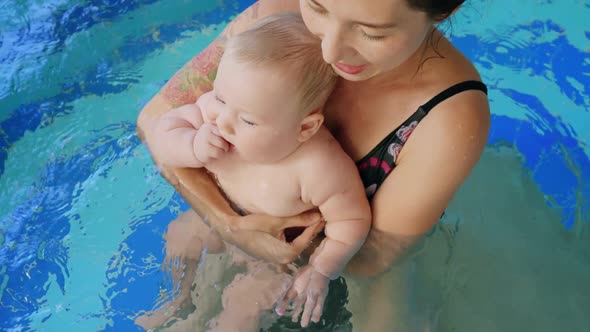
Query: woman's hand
{"type": "Point", "coordinates": [308, 292]}
{"type": "Point", "coordinates": [263, 236]}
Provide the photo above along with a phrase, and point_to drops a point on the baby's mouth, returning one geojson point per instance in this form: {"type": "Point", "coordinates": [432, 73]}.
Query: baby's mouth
{"type": "Point", "coordinates": [230, 145]}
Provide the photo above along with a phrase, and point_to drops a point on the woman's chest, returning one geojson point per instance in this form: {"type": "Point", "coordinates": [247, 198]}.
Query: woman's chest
{"type": "Point", "coordinates": [360, 121]}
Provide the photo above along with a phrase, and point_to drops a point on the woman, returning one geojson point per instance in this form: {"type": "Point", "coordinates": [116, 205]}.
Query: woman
{"type": "Point", "coordinates": [393, 64]}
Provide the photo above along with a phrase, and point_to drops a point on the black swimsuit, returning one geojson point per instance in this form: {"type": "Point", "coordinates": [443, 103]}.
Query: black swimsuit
{"type": "Point", "coordinates": [378, 164]}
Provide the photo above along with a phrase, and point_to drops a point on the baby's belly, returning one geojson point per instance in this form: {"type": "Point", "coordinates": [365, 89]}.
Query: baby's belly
{"type": "Point", "coordinates": [276, 198]}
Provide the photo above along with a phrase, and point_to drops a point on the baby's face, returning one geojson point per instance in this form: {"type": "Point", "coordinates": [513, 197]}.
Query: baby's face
{"type": "Point", "coordinates": [256, 110]}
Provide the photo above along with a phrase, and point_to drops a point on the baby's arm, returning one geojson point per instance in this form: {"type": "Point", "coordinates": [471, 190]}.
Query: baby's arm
{"type": "Point", "coordinates": [334, 185]}
{"type": "Point", "coordinates": [182, 138]}
{"type": "Point", "coordinates": [174, 135]}
{"type": "Point", "coordinates": [330, 181]}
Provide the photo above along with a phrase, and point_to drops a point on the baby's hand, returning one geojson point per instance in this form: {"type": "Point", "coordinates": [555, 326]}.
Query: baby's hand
{"type": "Point", "coordinates": [308, 292]}
{"type": "Point", "coordinates": [208, 144]}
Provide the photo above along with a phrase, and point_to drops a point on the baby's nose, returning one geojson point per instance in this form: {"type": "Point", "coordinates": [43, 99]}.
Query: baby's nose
{"type": "Point", "coordinates": [224, 122]}
{"type": "Point", "coordinates": [208, 109]}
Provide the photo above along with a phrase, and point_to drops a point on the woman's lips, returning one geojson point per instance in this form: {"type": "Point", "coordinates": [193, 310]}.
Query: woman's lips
{"type": "Point", "coordinates": [349, 69]}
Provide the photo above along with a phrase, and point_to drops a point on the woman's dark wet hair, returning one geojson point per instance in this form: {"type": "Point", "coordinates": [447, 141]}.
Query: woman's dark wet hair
{"type": "Point", "coordinates": [438, 10]}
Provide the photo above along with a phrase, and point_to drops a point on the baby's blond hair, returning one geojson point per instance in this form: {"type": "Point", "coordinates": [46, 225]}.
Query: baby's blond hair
{"type": "Point", "coordinates": [283, 39]}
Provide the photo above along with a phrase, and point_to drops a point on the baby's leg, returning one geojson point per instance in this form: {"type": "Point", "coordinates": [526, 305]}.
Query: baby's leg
{"type": "Point", "coordinates": [188, 235]}
{"type": "Point", "coordinates": [170, 309]}
{"type": "Point", "coordinates": [186, 239]}
{"type": "Point", "coordinates": [249, 296]}
{"type": "Point", "coordinates": [205, 293]}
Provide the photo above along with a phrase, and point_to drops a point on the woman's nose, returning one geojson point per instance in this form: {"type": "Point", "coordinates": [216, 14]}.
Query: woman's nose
{"type": "Point", "coordinates": [332, 46]}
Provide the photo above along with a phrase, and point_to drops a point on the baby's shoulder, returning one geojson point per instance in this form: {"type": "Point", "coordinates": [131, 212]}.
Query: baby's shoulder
{"type": "Point", "coordinates": [323, 152]}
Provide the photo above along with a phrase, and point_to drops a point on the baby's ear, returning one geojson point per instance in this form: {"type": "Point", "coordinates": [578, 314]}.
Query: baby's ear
{"type": "Point", "coordinates": [310, 125]}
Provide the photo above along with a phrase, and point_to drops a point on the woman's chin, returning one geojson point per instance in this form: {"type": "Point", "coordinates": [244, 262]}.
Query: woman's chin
{"type": "Point", "coordinates": [367, 73]}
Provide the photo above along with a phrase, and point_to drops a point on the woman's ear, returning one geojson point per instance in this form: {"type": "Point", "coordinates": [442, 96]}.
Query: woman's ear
{"type": "Point", "coordinates": [310, 125]}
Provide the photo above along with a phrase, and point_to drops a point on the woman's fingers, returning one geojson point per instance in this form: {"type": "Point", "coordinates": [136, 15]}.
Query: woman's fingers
{"type": "Point", "coordinates": [259, 222]}
{"type": "Point", "coordinates": [301, 242]}
{"type": "Point", "coordinates": [263, 246]}
{"type": "Point", "coordinates": [261, 236]}
{"type": "Point", "coordinates": [304, 219]}
{"type": "Point", "coordinates": [274, 225]}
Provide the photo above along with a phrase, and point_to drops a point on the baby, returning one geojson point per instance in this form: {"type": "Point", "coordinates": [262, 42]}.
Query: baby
{"type": "Point", "coordinates": [260, 133]}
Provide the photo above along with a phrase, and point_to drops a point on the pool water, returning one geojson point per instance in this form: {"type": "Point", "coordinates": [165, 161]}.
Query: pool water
{"type": "Point", "coordinates": [83, 209]}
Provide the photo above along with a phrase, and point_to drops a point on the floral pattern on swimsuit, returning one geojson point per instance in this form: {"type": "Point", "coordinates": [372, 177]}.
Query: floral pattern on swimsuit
{"type": "Point", "coordinates": [380, 162]}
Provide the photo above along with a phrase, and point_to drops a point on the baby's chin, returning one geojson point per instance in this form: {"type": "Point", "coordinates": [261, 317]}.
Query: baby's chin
{"type": "Point", "coordinates": [255, 159]}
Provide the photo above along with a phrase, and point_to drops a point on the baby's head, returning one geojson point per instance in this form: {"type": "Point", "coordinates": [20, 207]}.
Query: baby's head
{"type": "Point", "coordinates": [282, 43]}
{"type": "Point", "coordinates": [271, 85]}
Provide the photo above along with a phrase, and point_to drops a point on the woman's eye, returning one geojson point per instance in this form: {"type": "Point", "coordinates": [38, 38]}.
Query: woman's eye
{"type": "Point", "coordinates": [372, 37]}
{"type": "Point", "coordinates": [316, 8]}
{"type": "Point", "coordinates": [219, 99]}
{"type": "Point", "coordinates": [250, 123]}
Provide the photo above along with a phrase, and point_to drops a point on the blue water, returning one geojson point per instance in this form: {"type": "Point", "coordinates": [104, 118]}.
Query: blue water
{"type": "Point", "coordinates": [83, 209]}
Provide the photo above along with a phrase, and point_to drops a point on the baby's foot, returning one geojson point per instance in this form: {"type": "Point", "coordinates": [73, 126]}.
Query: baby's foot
{"type": "Point", "coordinates": [179, 304]}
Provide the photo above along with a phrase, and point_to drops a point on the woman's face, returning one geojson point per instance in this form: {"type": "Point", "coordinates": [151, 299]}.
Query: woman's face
{"type": "Point", "coordinates": [364, 38]}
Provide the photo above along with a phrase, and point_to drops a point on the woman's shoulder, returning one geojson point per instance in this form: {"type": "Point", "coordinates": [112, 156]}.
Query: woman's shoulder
{"type": "Point", "coordinates": [460, 102]}
{"type": "Point", "coordinates": [459, 115]}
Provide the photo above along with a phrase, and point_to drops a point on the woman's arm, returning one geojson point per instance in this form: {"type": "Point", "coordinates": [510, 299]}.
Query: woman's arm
{"type": "Point", "coordinates": [195, 185]}
{"type": "Point", "coordinates": [435, 161]}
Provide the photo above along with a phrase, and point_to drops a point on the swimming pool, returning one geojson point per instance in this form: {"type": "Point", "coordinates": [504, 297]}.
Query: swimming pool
{"type": "Point", "coordinates": [83, 209]}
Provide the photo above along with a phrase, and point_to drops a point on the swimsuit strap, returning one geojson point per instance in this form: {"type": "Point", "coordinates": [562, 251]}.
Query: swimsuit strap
{"type": "Point", "coordinates": [453, 90]}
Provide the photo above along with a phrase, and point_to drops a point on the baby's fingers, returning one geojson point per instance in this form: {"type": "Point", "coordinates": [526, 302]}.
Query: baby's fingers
{"type": "Point", "coordinates": [298, 307]}
{"type": "Point", "coordinates": [310, 305]}
{"type": "Point", "coordinates": [284, 302]}
{"type": "Point", "coordinates": [216, 152]}
{"type": "Point", "coordinates": [218, 141]}
{"type": "Point", "coordinates": [318, 310]}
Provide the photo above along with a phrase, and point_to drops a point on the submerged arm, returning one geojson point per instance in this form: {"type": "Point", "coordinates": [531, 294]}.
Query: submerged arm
{"type": "Point", "coordinates": [338, 191]}
{"type": "Point", "coordinates": [331, 182]}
